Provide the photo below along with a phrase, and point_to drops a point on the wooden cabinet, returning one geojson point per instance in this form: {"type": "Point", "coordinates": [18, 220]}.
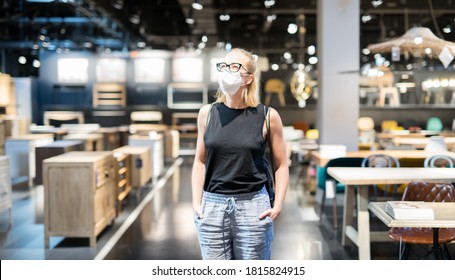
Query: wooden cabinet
{"type": "Point", "coordinates": [79, 194]}
{"type": "Point", "coordinates": [93, 141]}
{"type": "Point", "coordinates": [123, 178]}
{"type": "Point", "coordinates": [140, 167]}
{"type": "Point", "coordinates": [51, 150]}
{"type": "Point", "coordinates": [21, 150]}
{"type": "Point", "coordinates": [155, 142]}
{"type": "Point", "coordinates": [5, 186]}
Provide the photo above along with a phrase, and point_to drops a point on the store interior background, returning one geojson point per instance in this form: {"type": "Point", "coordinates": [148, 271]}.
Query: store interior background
{"type": "Point", "coordinates": [109, 37]}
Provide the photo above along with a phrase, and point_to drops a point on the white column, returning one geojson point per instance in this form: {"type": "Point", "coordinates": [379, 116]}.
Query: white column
{"type": "Point", "coordinates": [338, 34]}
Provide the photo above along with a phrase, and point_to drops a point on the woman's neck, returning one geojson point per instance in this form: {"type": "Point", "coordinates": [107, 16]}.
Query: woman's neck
{"type": "Point", "coordinates": [235, 103]}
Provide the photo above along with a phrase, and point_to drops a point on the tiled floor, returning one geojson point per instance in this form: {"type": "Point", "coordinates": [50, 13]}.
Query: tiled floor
{"type": "Point", "coordinates": [160, 227]}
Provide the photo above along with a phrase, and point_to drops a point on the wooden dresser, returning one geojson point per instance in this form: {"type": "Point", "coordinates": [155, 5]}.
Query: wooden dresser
{"type": "Point", "coordinates": [156, 144]}
{"type": "Point", "coordinates": [140, 165]}
{"type": "Point", "coordinates": [21, 150]}
{"type": "Point", "coordinates": [79, 194]}
{"type": "Point", "coordinates": [6, 200]}
{"type": "Point", "coordinates": [51, 150]}
{"type": "Point", "coordinates": [123, 179]}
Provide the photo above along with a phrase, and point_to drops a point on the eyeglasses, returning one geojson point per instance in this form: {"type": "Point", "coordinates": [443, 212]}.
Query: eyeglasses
{"type": "Point", "coordinates": [232, 68]}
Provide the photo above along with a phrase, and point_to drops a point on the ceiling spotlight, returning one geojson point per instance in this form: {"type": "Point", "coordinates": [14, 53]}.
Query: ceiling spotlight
{"type": "Point", "coordinates": [269, 3]}
{"type": "Point", "coordinates": [22, 59]}
{"type": "Point", "coordinates": [447, 29]}
{"type": "Point", "coordinates": [225, 17]}
{"type": "Point", "coordinates": [36, 63]}
{"type": "Point", "coordinates": [376, 3]}
{"type": "Point", "coordinates": [135, 19]}
{"type": "Point", "coordinates": [366, 18]}
{"type": "Point", "coordinates": [292, 28]}
{"type": "Point", "coordinates": [197, 5]}
{"type": "Point", "coordinates": [118, 4]}
{"type": "Point", "coordinates": [271, 18]}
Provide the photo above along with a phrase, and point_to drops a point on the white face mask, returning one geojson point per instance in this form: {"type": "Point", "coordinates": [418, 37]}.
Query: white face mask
{"type": "Point", "coordinates": [229, 82]}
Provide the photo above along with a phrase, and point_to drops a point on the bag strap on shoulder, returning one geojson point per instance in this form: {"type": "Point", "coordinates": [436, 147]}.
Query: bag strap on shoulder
{"type": "Point", "coordinates": [207, 120]}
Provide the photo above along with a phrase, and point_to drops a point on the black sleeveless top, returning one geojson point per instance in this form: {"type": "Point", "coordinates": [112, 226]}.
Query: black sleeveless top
{"type": "Point", "coordinates": [234, 147]}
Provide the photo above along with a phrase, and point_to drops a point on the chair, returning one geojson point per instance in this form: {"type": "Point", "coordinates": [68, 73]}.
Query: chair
{"type": "Point", "coordinates": [391, 93]}
{"type": "Point", "coordinates": [439, 161]}
{"type": "Point", "coordinates": [147, 117]}
{"type": "Point", "coordinates": [381, 161]}
{"type": "Point", "coordinates": [365, 125]}
{"type": "Point", "coordinates": [274, 86]}
{"type": "Point", "coordinates": [324, 177]}
{"type": "Point", "coordinates": [388, 125]}
{"type": "Point", "coordinates": [428, 192]}
{"type": "Point", "coordinates": [312, 134]}
{"type": "Point", "coordinates": [436, 144]}
{"type": "Point", "coordinates": [434, 123]}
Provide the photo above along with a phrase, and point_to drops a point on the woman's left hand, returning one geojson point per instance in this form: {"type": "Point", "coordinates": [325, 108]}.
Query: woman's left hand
{"type": "Point", "coordinates": [272, 213]}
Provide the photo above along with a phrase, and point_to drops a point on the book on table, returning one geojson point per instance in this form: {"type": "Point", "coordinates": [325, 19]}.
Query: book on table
{"type": "Point", "coordinates": [409, 210]}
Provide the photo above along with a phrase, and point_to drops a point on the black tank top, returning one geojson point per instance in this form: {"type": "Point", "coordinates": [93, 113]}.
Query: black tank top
{"type": "Point", "coordinates": [234, 147]}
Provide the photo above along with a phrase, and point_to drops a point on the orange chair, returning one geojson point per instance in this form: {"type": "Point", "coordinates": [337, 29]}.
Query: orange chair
{"type": "Point", "coordinates": [274, 86]}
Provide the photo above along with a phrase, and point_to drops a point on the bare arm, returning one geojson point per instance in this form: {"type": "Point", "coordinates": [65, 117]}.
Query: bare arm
{"type": "Point", "coordinates": [280, 162]}
{"type": "Point", "coordinates": [198, 172]}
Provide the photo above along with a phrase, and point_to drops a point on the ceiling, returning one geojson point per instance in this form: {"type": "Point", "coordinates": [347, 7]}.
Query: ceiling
{"type": "Point", "coordinates": [162, 24]}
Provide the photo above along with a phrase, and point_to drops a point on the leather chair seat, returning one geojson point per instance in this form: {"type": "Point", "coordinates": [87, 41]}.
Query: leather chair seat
{"type": "Point", "coordinates": [421, 235]}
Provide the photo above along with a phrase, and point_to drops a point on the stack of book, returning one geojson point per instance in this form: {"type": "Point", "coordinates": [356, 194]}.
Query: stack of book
{"type": "Point", "coordinates": [409, 210]}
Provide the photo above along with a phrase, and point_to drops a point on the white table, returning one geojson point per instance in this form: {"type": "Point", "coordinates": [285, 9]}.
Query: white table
{"type": "Point", "coordinates": [359, 177]}
{"type": "Point", "coordinates": [444, 217]}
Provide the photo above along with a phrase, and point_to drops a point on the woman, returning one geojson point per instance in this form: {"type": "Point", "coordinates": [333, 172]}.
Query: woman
{"type": "Point", "coordinates": [232, 209]}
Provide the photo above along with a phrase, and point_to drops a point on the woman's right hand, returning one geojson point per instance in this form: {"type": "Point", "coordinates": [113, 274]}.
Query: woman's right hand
{"type": "Point", "coordinates": [198, 211]}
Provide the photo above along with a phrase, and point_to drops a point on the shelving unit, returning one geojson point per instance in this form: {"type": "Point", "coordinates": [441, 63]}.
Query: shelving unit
{"type": "Point", "coordinates": [123, 178]}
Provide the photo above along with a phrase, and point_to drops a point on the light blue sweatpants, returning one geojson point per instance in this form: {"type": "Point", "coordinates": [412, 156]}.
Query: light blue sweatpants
{"type": "Point", "coordinates": [231, 229]}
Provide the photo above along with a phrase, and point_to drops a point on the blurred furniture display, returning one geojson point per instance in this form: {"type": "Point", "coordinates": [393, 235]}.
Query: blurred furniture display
{"type": "Point", "coordinates": [21, 150]}
{"type": "Point", "coordinates": [54, 149]}
{"type": "Point", "coordinates": [186, 125]}
{"type": "Point", "coordinates": [81, 128]}
{"type": "Point", "coordinates": [274, 87]}
{"type": "Point", "coordinates": [436, 144]}
{"type": "Point", "coordinates": [171, 144]}
{"type": "Point", "coordinates": [381, 161]}
{"type": "Point", "coordinates": [140, 166]}
{"type": "Point", "coordinates": [7, 96]}
{"type": "Point", "coordinates": [187, 95]}
{"type": "Point", "coordinates": [146, 117]}
{"type": "Point", "coordinates": [93, 141]}
{"type": "Point", "coordinates": [146, 128]}
{"type": "Point", "coordinates": [154, 141]}
{"type": "Point", "coordinates": [358, 180]}
{"type": "Point", "coordinates": [79, 194]}
{"type": "Point", "coordinates": [436, 236]}
{"type": "Point", "coordinates": [62, 117]}
{"type": "Point", "coordinates": [109, 95]}
{"type": "Point", "coordinates": [391, 93]}
{"type": "Point", "coordinates": [16, 125]}
{"type": "Point", "coordinates": [302, 125]}
{"type": "Point", "coordinates": [123, 178]}
{"type": "Point", "coordinates": [58, 132]}
{"type": "Point", "coordinates": [312, 134]}
{"type": "Point", "coordinates": [2, 138]}
{"type": "Point", "coordinates": [330, 186]}
{"type": "Point", "coordinates": [421, 155]}
{"type": "Point", "coordinates": [111, 137]}
{"type": "Point", "coordinates": [372, 81]}
{"type": "Point", "coordinates": [421, 143]}
{"type": "Point", "coordinates": [388, 125]}
{"type": "Point", "coordinates": [6, 199]}
{"type": "Point", "coordinates": [434, 124]}
{"type": "Point", "coordinates": [439, 161]}
{"type": "Point", "coordinates": [365, 125]}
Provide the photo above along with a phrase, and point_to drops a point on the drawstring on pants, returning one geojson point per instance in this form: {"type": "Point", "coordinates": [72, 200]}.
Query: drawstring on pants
{"type": "Point", "coordinates": [230, 205]}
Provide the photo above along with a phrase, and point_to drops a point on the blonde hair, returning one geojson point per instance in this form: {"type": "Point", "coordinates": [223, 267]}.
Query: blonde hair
{"type": "Point", "coordinates": [249, 98]}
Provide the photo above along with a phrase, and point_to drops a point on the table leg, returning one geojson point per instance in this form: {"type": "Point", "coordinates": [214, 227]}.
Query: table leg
{"type": "Point", "coordinates": [347, 214]}
{"type": "Point", "coordinates": [436, 247]}
{"type": "Point", "coordinates": [363, 223]}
